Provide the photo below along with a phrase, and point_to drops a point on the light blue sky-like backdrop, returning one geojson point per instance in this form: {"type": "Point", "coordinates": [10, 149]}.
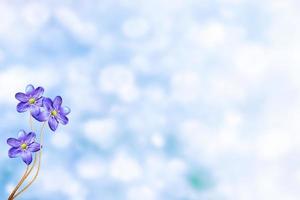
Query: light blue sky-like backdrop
{"type": "Point", "coordinates": [170, 99]}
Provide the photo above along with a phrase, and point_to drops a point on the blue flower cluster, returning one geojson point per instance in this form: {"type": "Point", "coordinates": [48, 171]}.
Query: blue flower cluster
{"type": "Point", "coordinates": [43, 109]}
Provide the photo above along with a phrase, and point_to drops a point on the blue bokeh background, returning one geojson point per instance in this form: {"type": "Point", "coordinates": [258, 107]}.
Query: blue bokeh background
{"type": "Point", "coordinates": [170, 99]}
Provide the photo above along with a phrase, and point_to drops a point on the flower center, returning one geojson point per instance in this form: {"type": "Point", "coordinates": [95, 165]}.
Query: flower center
{"type": "Point", "coordinates": [31, 100]}
{"type": "Point", "coordinates": [24, 146]}
{"type": "Point", "coordinates": [53, 112]}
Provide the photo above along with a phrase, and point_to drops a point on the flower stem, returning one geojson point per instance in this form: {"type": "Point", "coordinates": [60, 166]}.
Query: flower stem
{"type": "Point", "coordinates": [30, 122]}
{"type": "Point", "coordinates": [35, 157]}
{"type": "Point", "coordinates": [39, 164]}
{"type": "Point", "coordinates": [11, 196]}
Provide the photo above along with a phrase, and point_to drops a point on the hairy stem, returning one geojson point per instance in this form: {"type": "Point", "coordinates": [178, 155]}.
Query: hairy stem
{"type": "Point", "coordinates": [39, 164]}
{"type": "Point", "coordinates": [11, 196]}
{"type": "Point", "coordinates": [35, 157]}
{"type": "Point", "coordinates": [31, 123]}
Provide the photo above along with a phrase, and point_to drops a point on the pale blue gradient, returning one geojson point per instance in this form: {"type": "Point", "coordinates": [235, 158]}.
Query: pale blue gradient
{"type": "Point", "coordinates": [170, 99]}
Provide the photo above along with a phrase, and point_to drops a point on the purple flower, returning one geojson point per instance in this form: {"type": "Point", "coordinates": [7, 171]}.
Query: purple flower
{"type": "Point", "coordinates": [30, 100]}
{"type": "Point", "coordinates": [23, 146]}
{"type": "Point", "coordinates": [53, 112]}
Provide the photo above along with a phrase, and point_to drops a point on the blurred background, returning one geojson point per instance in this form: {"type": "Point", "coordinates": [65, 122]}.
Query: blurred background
{"type": "Point", "coordinates": [170, 99]}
